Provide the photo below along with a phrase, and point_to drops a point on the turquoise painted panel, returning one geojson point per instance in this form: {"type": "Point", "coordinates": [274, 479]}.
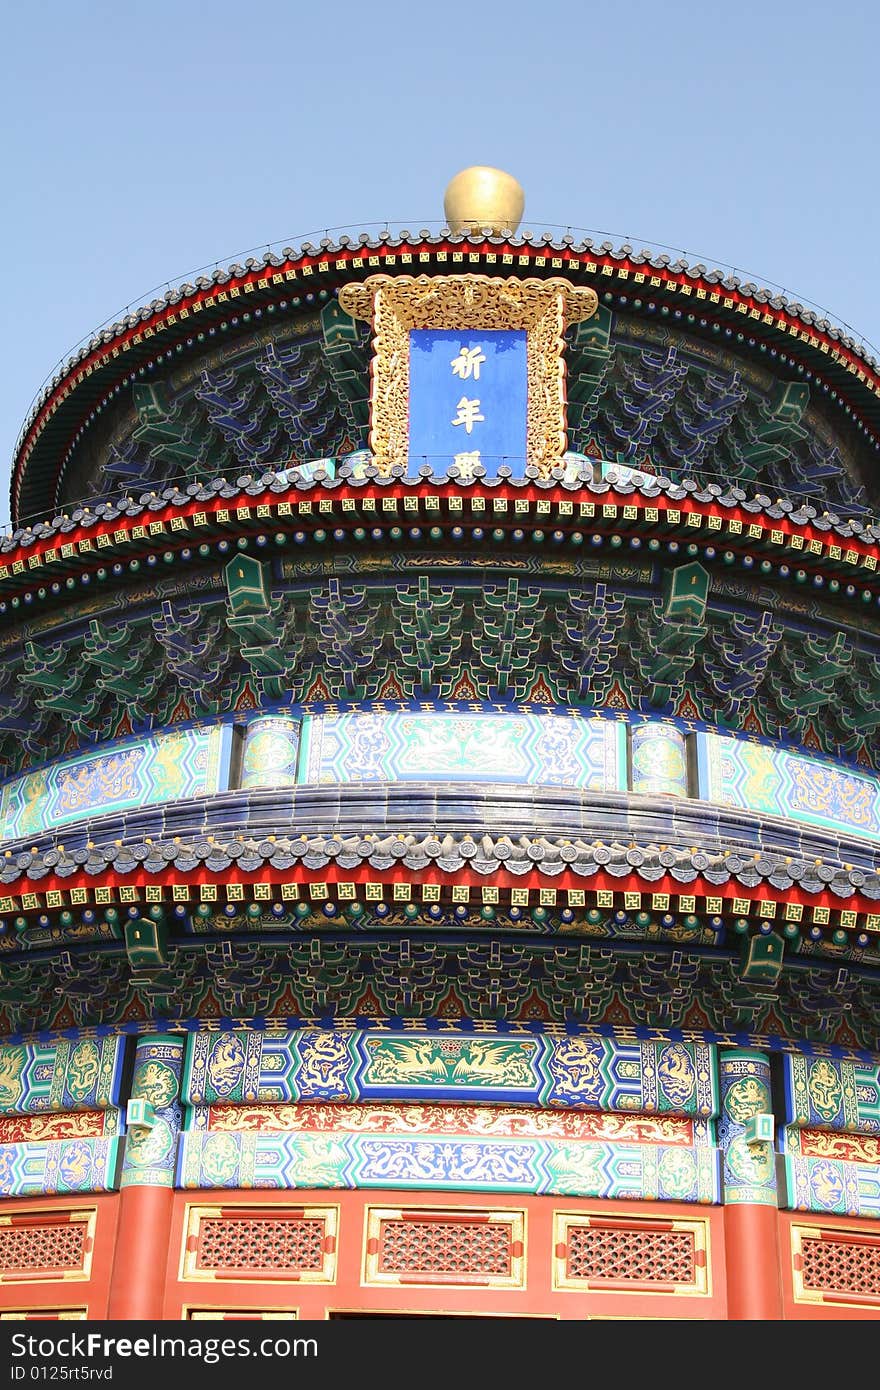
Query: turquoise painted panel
{"type": "Point", "coordinates": [574, 1168]}
{"type": "Point", "coordinates": [53, 1077]}
{"type": "Point", "coordinates": [828, 1094]}
{"type": "Point", "coordinates": [549, 750]}
{"type": "Point", "coordinates": [832, 1186]}
{"type": "Point", "coordinates": [777, 782]}
{"type": "Point", "coordinates": [568, 1072]}
{"type": "Point", "coordinates": [65, 1165]}
{"type": "Point", "coordinates": [139, 772]}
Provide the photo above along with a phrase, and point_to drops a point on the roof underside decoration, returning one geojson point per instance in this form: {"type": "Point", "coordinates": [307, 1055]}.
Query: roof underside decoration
{"type": "Point", "coordinates": [682, 370]}
{"type": "Point", "coordinates": [590, 635]}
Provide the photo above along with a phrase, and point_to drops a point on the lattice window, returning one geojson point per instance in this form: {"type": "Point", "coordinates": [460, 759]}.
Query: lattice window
{"type": "Point", "coordinates": [834, 1267]}
{"type": "Point", "coordinates": [470, 1248]}
{"type": "Point", "coordinates": [44, 1315]}
{"type": "Point", "coordinates": [652, 1256]}
{"type": "Point", "coordinates": [273, 1243]}
{"type": "Point", "coordinates": [444, 1247]}
{"type": "Point", "coordinates": [54, 1247]}
{"type": "Point", "coordinates": [297, 1244]}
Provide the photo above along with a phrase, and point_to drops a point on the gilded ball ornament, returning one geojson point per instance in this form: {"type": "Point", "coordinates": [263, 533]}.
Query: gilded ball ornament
{"type": "Point", "coordinates": [483, 199]}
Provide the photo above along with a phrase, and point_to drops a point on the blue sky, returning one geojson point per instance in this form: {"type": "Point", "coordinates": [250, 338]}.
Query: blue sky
{"type": "Point", "coordinates": [145, 141]}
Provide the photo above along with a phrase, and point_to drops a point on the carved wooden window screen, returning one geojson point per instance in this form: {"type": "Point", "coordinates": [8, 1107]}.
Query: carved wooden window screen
{"type": "Point", "coordinates": [630, 1254]}
{"type": "Point", "coordinates": [835, 1266]}
{"type": "Point", "coordinates": [46, 1246]}
{"type": "Point", "coordinates": [255, 1244]}
{"type": "Point", "coordinates": [472, 1248]}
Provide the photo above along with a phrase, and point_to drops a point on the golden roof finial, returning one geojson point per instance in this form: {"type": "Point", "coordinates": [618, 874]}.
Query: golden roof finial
{"type": "Point", "coordinates": [483, 199]}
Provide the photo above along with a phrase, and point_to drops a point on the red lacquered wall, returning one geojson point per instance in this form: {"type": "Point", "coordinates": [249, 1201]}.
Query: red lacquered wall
{"type": "Point", "coordinates": [320, 1254]}
{"type": "Point", "coordinates": [327, 1254]}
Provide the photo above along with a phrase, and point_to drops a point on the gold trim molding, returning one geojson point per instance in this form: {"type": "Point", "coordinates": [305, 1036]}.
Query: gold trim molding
{"type": "Point", "coordinates": [394, 305]}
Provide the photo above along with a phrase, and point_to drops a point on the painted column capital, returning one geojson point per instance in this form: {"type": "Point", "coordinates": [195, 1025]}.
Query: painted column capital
{"type": "Point", "coordinates": [748, 1168]}
{"type": "Point", "coordinates": [154, 1112]}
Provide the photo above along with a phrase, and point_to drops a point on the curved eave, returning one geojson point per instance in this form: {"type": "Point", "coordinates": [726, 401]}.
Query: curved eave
{"type": "Point", "coordinates": [91, 379]}
{"type": "Point", "coordinates": [696, 885]}
{"type": "Point", "coordinates": [106, 541]}
{"type": "Point", "coordinates": [721, 860]}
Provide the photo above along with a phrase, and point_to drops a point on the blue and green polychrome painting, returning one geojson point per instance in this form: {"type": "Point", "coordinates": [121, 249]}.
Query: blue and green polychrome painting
{"type": "Point", "coordinates": [648, 1172]}
{"type": "Point", "coordinates": [271, 751]}
{"type": "Point", "coordinates": [549, 750]}
{"type": "Point", "coordinates": [832, 1185]}
{"type": "Point", "coordinates": [468, 392]}
{"type": "Point", "coordinates": [776, 782]}
{"type": "Point", "coordinates": [572, 1072]}
{"type": "Point", "coordinates": [54, 1077]}
{"type": "Point", "coordinates": [69, 1165]}
{"type": "Point", "coordinates": [832, 1094]}
{"type": "Point", "coordinates": [139, 772]}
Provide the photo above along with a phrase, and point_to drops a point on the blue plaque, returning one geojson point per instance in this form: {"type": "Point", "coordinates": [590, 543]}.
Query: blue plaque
{"type": "Point", "coordinates": [468, 398]}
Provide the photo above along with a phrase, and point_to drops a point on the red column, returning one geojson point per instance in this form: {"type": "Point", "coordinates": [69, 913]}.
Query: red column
{"type": "Point", "coordinates": [140, 1260]}
{"type": "Point", "coordinates": [137, 1284]}
{"type": "Point", "coordinates": [751, 1240]}
{"type": "Point", "coordinates": [751, 1217]}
